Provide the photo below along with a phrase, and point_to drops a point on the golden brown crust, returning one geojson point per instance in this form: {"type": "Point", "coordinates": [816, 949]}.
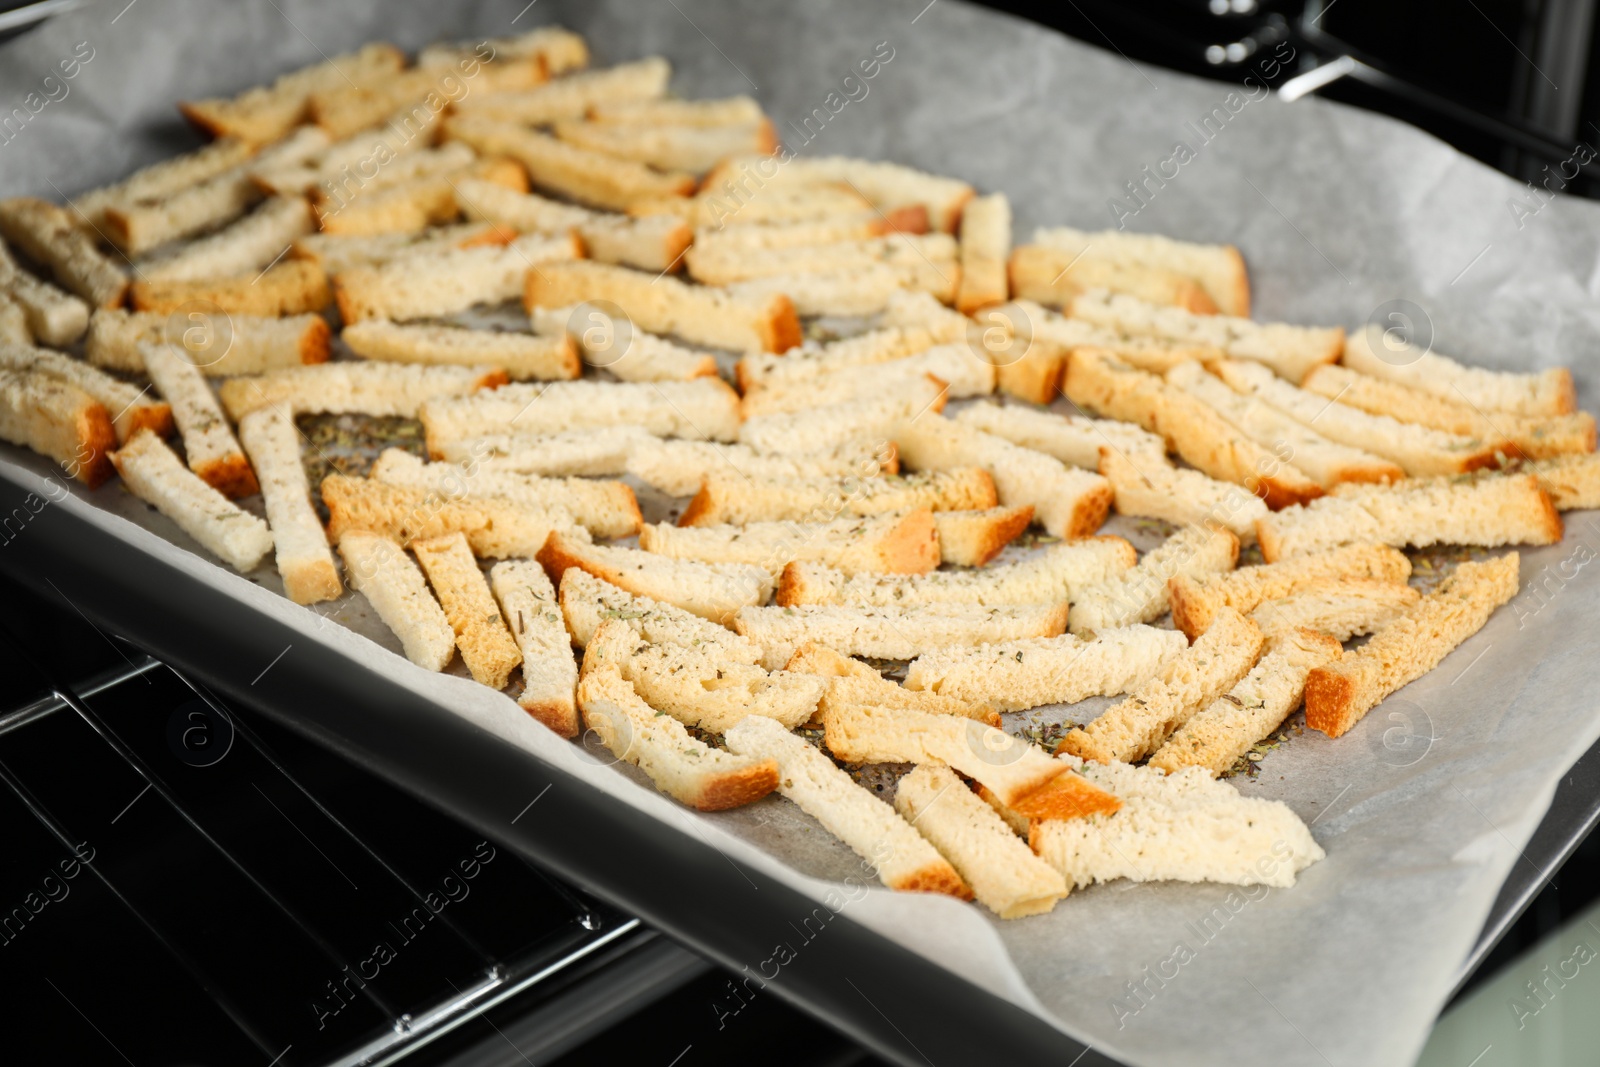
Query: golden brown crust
{"type": "Point", "coordinates": [97, 439]}
{"type": "Point", "coordinates": [1036, 377]}
{"type": "Point", "coordinates": [1239, 298]}
{"type": "Point", "coordinates": [736, 788]}
{"type": "Point", "coordinates": [498, 170]}
{"type": "Point", "coordinates": [316, 342]}
{"type": "Point", "coordinates": [202, 117]}
{"type": "Point", "coordinates": [1371, 473]}
{"type": "Point", "coordinates": [1190, 613]}
{"type": "Point", "coordinates": [891, 458]}
{"type": "Point", "coordinates": [1191, 296]}
{"type": "Point", "coordinates": [1004, 530]}
{"type": "Point", "coordinates": [955, 208]}
{"type": "Point", "coordinates": [157, 418]}
{"type": "Point", "coordinates": [559, 717]}
{"type": "Point", "coordinates": [555, 560]}
{"type": "Point", "coordinates": [788, 591]}
{"type": "Point", "coordinates": [913, 218]}
{"type": "Point", "coordinates": [933, 878]}
{"type": "Point", "coordinates": [293, 287]}
{"type": "Point", "coordinates": [1091, 510]}
{"type": "Point", "coordinates": [1551, 519]}
{"type": "Point", "coordinates": [1566, 393]}
{"type": "Point", "coordinates": [493, 379]}
{"type": "Point", "coordinates": [781, 331]}
{"type": "Point", "coordinates": [1329, 701]}
{"type": "Point", "coordinates": [700, 509]}
{"type": "Point", "coordinates": [912, 547]}
{"type": "Point", "coordinates": [1279, 494]}
{"type": "Point", "coordinates": [673, 246]}
{"type": "Point", "coordinates": [231, 476]}
{"type": "Point", "coordinates": [1065, 796]}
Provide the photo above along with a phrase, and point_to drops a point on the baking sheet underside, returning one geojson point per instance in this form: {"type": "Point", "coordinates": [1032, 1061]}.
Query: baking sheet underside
{"type": "Point", "coordinates": [1423, 808]}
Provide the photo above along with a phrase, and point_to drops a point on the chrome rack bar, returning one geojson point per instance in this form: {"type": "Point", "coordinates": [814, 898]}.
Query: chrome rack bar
{"type": "Point", "coordinates": [491, 964]}
{"type": "Point", "coordinates": [49, 705]}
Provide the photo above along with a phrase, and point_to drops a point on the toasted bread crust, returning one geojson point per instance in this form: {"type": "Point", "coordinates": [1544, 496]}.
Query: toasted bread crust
{"type": "Point", "coordinates": [1090, 514]}
{"type": "Point", "coordinates": [1278, 494]}
{"type": "Point", "coordinates": [231, 476]}
{"type": "Point", "coordinates": [737, 788]}
{"type": "Point", "coordinates": [781, 331]}
{"type": "Point", "coordinates": [1064, 797]}
{"type": "Point", "coordinates": [1330, 702]}
{"type": "Point", "coordinates": [1006, 529]}
{"type": "Point", "coordinates": [934, 878]}
{"type": "Point", "coordinates": [559, 717]}
{"type": "Point", "coordinates": [913, 546]}
{"type": "Point", "coordinates": [96, 441]}
{"type": "Point", "coordinates": [316, 342]}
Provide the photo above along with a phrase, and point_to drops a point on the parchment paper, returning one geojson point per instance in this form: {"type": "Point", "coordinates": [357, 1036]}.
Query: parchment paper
{"type": "Point", "coordinates": [1423, 808]}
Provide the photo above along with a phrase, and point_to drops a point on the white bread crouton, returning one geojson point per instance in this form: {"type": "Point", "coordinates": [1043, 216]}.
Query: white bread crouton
{"type": "Point", "coordinates": [486, 644]}
{"type": "Point", "coordinates": [680, 468]}
{"type": "Point", "coordinates": [1135, 727]}
{"type": "Point", "coordinates": [963, 373]}
{"type": "Point", "coordinates": [1327, 462]}
{"type": "Point", "coordinates": [574, 95]}
{"type": "Point", "coordinates": [162, 179]}
{"type": "Point", "coordinates": [604, 508]}
{"type": "Point", "coordinates": [380, 570]}
{"type": "Point", "coordinates": [812, 360]}
{"type": "Point", "coordinates": [301, 551]}
{"type": "Point", "coordinates": [549, 673]}
{"type": "Point", "coordinates": [698, 314]}
{"type": "Point", "coordinates": [1075, 440]}
{"type": "Point", "coordinates": [695, 149]}
{"type": "Point", "coordinates": [1006, 877]}
{"type": "Point", "coordinates": [430, 286]}
{"type": "Point", "coordinates": [1197, 598]}
{"type": "Point", "coordinates": [209, 445]}
{"type": "Point", "coordinates": [1020, 773]}
{"type": "Point", "coordinates": [1067, 502]}
{"type": "Point", "coordinates": [629, 355]}
{"type": "Point", "coordinates": [54, 317]}
{"type": "Point", "coordinates": [1549, 392]}
{"type": "Point", "coordinates": [50, 236]}
{"type": "Point", "coordinates": [1016, 675]}
{"type": "Point", "coordinates": [1098, 381]}
{"type": "Point", "coordinates": [1338, 694]}
{"type": "Point", "coordinates": [293, 287]}
{"type": "Point", "coordinates": [246, 344]}
{"type": "Point", "coordinates": [889, 186]}
{"type": "Point", "coordinates": [715, 591]}
{"type": "Point", "coordinates": [1219, 269]}
{"type": "Point", "coordinates": [364, 388]}
{"type": "Point", "coordinates": [696, 685]}
{"type": "Point", "coordinates": [973, 538]}
{"type": "Point", "coordinates": [267, 112]}
{"type": "Point", "coordinates": [929, 261]}
{"type": "Point", "coordinates": [137, 226]}
{"type": "Point", "coordinates": [700, 409]}
{"type": "Point", "coordinates": [1152, 488]}
{"type": "Point", "coordinates": [1419, 450]}
{"type": "Point", "coordinates": [1140, 594]}
{"type": "Point", "coordinates": [134, 408]}
{"type": "Point", "coordinates": [497, 528]}
{"type": "Point", "coordinates": [1182, 827]}
{"type": "Point", "coordinates": [1572, 481]}
{"type": "Point", "coordinates": [725, 498]}
{"type": "Point", "coordinates": [655, 242]}
{"type": "Point", "coordinates": [1053, 576]}
{"type": "Point", "coordinates": [1527, 436]}
{"type": "Point", "coordinates": [599, 452]}
{"type": "Point", "coordinates": [861, 289]}
{"type": "Point", "coordinates": [892, 543]}
{"type": "Point", "coordinates": [852, 683]}
{"type": "Point", "coordinates": [901, 858]}
{"type": "Point", "coordinates": [1465, 510]}
{"type": "Point", "coordinates": [57, 419]}
{"type": "Point", "coordinates": [587, 601]}
{"type": "Point", "coordinates": [875, 420]}
{"type": "Point", "coordinates": [522, 356]}
{"type": "Point", "coordinates": [1341, 607]}
{"type": "Point", "coordinates": [727, 111]}
{"type": "Point", "coordinates": [591, 178]}
{"type": "Point", "coordinates": [244, 247]}
{"type": "Point", "coordinates": [682, 766]}
{"type": "Point", "coordinates": [892, 633]}
{"type": "Point", "coordinates": [1291, 351]}
{"type": "Point", "coordinates": [1220, 733]}
{"type": "Point", "coordinates": [337, 253]}
{"type": "Point", "coordinates": [985, 246]}
{"type": "Point", "coordinates": [1056, 276]}
{"type": "Point", "coordinates": [154, 474]}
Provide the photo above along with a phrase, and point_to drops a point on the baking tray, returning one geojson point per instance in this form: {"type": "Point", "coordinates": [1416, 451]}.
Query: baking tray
{"type": "Point", "coordinates": [898, 1004]}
